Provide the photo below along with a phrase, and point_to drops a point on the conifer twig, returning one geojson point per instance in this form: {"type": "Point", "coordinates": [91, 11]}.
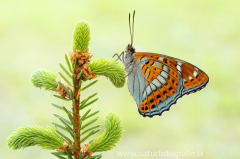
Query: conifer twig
{"type": "Point", "coordinates": [80, 69]}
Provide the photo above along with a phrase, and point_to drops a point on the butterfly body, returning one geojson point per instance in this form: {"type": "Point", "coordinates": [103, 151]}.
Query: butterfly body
{"type": "Point", "coordinates": [157, 81]}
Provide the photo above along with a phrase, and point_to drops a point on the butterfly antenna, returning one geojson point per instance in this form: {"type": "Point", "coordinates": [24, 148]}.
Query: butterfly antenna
{"type": "Point", "coordinates": [130, 29]}
{"type": "Point", "coordinates": [133, 26]}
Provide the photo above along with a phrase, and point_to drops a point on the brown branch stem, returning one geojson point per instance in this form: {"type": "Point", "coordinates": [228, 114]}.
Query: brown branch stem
{"type": "Point", "coordinates": [82, 64]}
{"type": "Point", "coordinates": [76, 118]}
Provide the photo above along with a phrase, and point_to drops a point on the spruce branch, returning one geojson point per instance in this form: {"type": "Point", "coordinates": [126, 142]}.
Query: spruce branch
{"type": "Point", "coordinates": [87, 104]}
{"type": "Point", "coordinates": [88, 98]}
{"type": "Point", "coordinates": [111, 135]}
{"type": "Point", "coordinates": [26, 136]}
{"type": "Point", "coordinates": [89, 123]}
{"type": "Point", "coordinates": [90, 115]}
{"type": "Point", "coordinates": [59, 155]}
{"type": "Point", "coordinates": [79, 69]}
{"type": "Point", "coordinates": [68, 154]}
{"type": "Point", "coordinates": [68, 63]}
{"type": "Point", "coordinates": [80, 57]}
{"type": "Point", "coordinates": [98, 156]}
{"type": "Point", "coordinates": [64, 87]}
{"type": "Point", "coordinates": [110, 69]}
{"type": "Point", "coordinates": [58, 116]}
{"type": "Point", "coordinates": [44, 78]}
{"type": "Point", "coordinates": [64, 137]}
{"type": "Point", "coordinates": [91, 128]}
{"type": "Point", "coordinates": [59, 126]}
{"type": "Point", "coordinates": [81, 36]}
{"type": "Point", "coordinates": [59, 107]}
{"type": "Point", "coordinates": [65, 79]}
{"type": "Point", "coordinates": [90, 134]}
{"type": "Point", "coordinates": [65, 70]}
{"type": "Point", "coordinates": [85, 114]}
{"type": "Point", "coordinates": [58, 96]}
{"type": "Point", "coordinates": [69, 129]}
{"type": "Point", "coordinates": [89, 85]}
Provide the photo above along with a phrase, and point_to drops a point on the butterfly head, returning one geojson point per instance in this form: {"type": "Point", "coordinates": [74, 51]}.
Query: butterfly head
{"type": "Point", "coordinates": [130, 49]}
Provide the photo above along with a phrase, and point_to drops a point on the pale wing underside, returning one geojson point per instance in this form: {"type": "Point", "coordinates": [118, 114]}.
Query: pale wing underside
{"type": "Point", "coordinates": [158, 81]}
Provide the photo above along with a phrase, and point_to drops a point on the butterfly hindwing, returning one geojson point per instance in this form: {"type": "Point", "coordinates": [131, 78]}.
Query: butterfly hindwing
{"type": "Point", "coordinates": [164, 86]}
{"type": "Point", "coordinates": [136, 85]}
{"type": "Point", "coordinates": [165, 80]}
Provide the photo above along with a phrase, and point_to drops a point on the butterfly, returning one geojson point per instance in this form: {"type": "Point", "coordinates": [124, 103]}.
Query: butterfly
{"type": "Point", "coordinates": [157, 81]}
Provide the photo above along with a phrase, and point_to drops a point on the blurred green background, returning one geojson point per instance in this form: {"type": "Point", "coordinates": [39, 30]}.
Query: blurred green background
{"type": "Point", "coordinates": [37, 34]}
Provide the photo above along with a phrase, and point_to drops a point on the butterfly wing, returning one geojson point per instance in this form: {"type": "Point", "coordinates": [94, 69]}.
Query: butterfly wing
{"type": "Point", "coordinates": [136, 85]}
{"type": "Point", "coordinates": [159, 81]}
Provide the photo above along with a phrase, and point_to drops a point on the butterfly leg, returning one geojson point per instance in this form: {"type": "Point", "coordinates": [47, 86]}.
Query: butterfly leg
{"type": "Point", "coordinates": [123, 80]}
{"type": "Point", "coordinates": [122, 56]}
{"type": "Point", "coordinates": [119, 56]}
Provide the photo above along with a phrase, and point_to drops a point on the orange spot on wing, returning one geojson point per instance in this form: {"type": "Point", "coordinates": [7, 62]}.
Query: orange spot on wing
{"type": "Point", "coordinates": [143, 70]}
{"type": "Point", "coordinates": [149, 103]}
{"type": "Point", "coordinates": [156, 97]}
{"type": "Point", "coordinates": [187, 84]}
{"type": "Point", "coordinates": [203, 75]}
{"type": "Point", "coordinates": [187, 71]}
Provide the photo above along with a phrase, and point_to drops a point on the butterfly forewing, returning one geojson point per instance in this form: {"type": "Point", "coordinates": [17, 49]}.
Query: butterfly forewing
{"type": "Point", "coordinates": [166, 79]}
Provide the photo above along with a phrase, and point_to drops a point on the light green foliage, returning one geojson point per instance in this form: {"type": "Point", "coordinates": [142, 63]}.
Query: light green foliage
{"type": "Point", "coordinates": [25, 136]}
{"type": "Point", "coordinates": [110, 69]}
{"type": "Point", "coordinates": [81, 36]}
{"type": "Point", "coordinates": [53, 138]}
{"type": "Point", "coordinates": [111, 135]}
{"type": "Point", "coordinates": [65, 79]}
{"type": "Point", "coordinates": [98, 156]}
{"type": "Point", "coordinates": [44, 78]}
{"type": "Point", "coordinates": [59, 155]}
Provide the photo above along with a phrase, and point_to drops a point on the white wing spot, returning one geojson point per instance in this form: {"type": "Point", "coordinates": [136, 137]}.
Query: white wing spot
{"type": "Point", "coordinates": [144, 60]}
{"type": "Point", "coordinates": [165, 75]}
{"type": "Point", "coordinates": [153, 87]}
{"type": "Point", "coordinates": [195, 73]}
{"type": "Point", "coordinates": [179, 63]}
{"type": "Point", "coordinates": [179, 68]}
{"type": "Point", "coordinates": [165, 68]}
{"type": "Point", "coordinates": [161, 79]}
{"type": "Point", "coordinates": [190, 78]}
{"type": "Point", "coordinates": [144, 95]}
{"type": "Point", "coordinates": [149, 91]}
{"type": "Point", "coordinates": [156, 64]}
{"type": "Point", "coordinates": [161, 58]}
{"type": "Point", "coordinates": [156, 83]}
